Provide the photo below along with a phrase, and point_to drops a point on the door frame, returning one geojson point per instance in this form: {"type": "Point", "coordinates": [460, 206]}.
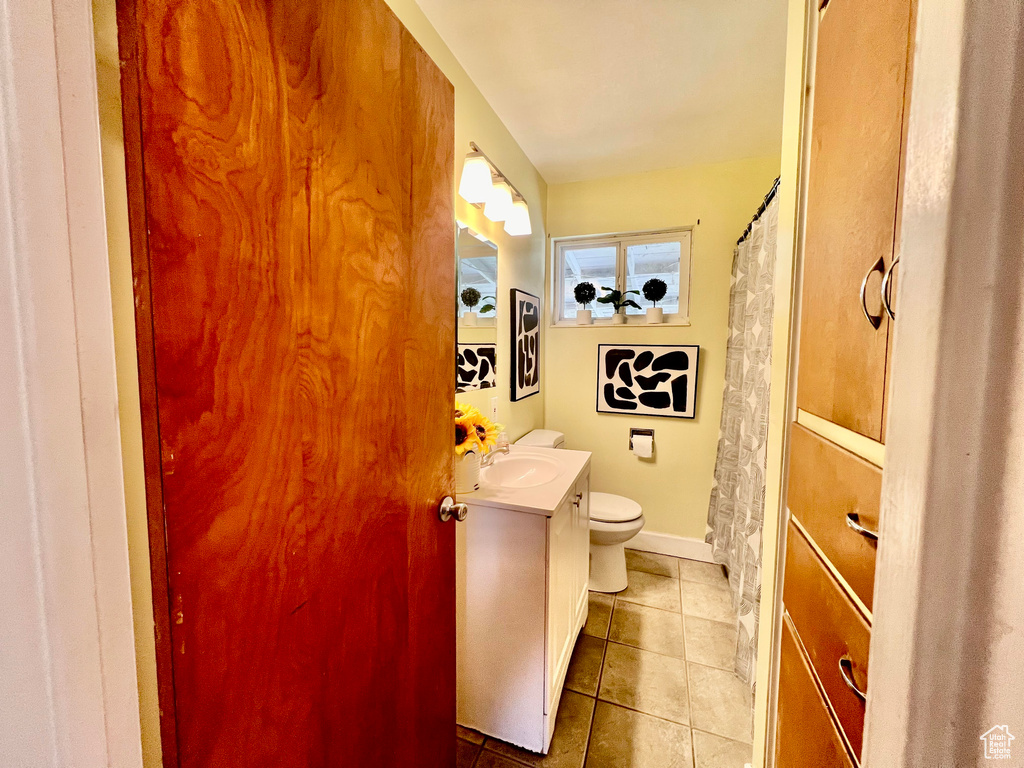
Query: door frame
{"type": "Point", "coordinates": [948, 637]}
{"type": "Point", "coordinates": [73, 696]}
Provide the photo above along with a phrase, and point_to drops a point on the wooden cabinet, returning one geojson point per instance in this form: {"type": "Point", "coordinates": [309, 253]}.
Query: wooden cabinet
{"type": "Point", "coordinates": [522, 578]}
{"type": "Point", "coordinates": [806, 734]}
{"type": "Point", "coordinates": [852, 194]}
{"type": "Point", "coordinates": [856, 129]}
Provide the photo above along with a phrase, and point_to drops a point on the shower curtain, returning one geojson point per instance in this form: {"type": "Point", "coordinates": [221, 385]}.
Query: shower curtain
{"type": "Point", "coordinates": [736, 511]}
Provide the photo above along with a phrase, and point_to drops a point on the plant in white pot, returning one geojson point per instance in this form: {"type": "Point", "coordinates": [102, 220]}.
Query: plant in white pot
{"type": "Point", "coordinates": [619, 300]}
{"type": "Point", "coordinates": [470, 298]}
{"type": "Point", "coordinates": [584, 293]}
{"type": "Point", "coordinates": [654, 291]}
{"type": "Point", "coordinates": [475, 435]}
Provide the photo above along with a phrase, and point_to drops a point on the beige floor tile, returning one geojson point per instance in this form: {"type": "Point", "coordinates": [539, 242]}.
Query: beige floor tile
{"type": "Point", "coordinates": [706, 573]}
{"type": "Point", "coordinates": [468, 734]}
{"type": "Point", "coordinates": [649, 628]}
{"type": "Point", "coordinates": [585, 665]}
{"type": "Point", "coordinates": [710, 751]}
{"type": "Point", "coordinates": [712, 643]}
{"type": "Point", "coordinates": [720, 703]}
{"type": "Point", "coordinates": [625, 739]}
{"type": "Point", "coordinates": [489, 759]}
{"type": "Point", "coordinates": [465, 753]}
{"type": "Point", "coordinates": [599, 614]}
{"type": "Point", "coordinates": [706, 601]}
{"type": "Point", "coordinates": [649, 562]}
{"type": "Point", "coordinates": [645, 681]}
{"type": "Point", "coordinates": [569, 744]}
{"type": "Point", "coordinates": [648, 589]}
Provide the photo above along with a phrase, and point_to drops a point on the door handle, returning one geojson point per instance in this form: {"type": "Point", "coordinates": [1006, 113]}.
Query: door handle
{"type": "Point", "coordinates": [887, 289]}
{"type": "Point", "coordinates": [846, 670]}
{"type": "Point", "coordinates": [450, 508]}
{"type": "Point", "coordinates": [853, 521]}
{"type": "Point", "coordinates": [878, 266]}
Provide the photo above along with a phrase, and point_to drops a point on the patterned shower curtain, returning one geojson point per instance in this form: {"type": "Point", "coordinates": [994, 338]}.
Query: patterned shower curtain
{"type": "Point", "coordinates": [736, 511]}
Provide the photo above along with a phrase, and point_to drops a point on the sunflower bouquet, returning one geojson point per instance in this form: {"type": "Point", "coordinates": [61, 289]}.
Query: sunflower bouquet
{"type": "Point", "coordinates": [474, 432]}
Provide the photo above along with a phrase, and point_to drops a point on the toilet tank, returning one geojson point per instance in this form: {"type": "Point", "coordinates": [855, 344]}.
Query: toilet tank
{"type": "Point", "coordinates": [543, 438]}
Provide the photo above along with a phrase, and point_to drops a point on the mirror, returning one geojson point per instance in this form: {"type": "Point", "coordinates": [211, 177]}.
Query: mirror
{"type": "Point", "coordinates": [477, 302]}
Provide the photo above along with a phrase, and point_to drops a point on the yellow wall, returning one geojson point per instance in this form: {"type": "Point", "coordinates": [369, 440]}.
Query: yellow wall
{"type": "Point", "coordinates": [674, 488]}
{"type": "Point", "coordinates": [521, 265]}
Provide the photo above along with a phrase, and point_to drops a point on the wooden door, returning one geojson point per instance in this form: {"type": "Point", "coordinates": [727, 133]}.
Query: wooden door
{"type": "Point", "coordinates": [853, 185]}
{"type": "Point", "coordinates": [291, 174]}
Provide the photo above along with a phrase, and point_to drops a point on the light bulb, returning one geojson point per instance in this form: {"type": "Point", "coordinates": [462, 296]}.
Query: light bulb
{"type": "Point", "coordinates": [475, 184]}
{"type": "Point", "coordinates": [518, 221]}
{"type": "Point", "coordinates": [499, 204]}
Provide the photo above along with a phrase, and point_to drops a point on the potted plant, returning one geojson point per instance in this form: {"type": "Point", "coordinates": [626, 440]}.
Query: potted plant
{"type": "Point", "coordinates": [618, 299]}
{"type": "Point", "coordinates": [654, 291]}
{"type": "Point", "coordinates": [474, 436]}
{"type": "Point", "coordinates": [470, 298]}
{"type": "Point", "coordinates": [584, 293]}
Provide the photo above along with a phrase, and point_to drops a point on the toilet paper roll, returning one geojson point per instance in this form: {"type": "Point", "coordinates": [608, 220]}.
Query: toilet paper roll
{"type": "Point", "coordinates": [643, 446]}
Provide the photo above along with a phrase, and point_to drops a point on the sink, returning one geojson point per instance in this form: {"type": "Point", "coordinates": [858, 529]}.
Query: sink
{"type": "Point", "coordinates": [521, 471]}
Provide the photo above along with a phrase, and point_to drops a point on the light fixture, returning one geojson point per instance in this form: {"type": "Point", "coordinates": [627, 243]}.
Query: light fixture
{"type": "Point", "coordinates": [499, 204]}
{"type": "Point", "coordinates": [518, 221]}
{"type": "Point", "coordinates": [475, 184]}
{"type": "Point", "coordinates": [484, 186]}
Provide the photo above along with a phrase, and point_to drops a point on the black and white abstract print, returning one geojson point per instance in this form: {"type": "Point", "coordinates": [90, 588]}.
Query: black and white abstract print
{"type": "Point", "coordinates": [651, 380]}
{"type": "Point", "coordinates": [525, 344]}
{"type": "Point", "coordinates": [475, 366]}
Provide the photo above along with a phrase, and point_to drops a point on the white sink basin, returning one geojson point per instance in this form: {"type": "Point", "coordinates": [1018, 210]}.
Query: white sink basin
{"type": "Point", "coordinates": [521, 471]}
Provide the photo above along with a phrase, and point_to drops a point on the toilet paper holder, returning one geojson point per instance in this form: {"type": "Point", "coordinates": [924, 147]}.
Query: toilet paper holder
{"type": "Point", "coordinates": [645, 432]}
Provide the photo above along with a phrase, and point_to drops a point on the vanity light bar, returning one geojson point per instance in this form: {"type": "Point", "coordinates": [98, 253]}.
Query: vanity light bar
{"type": "Point", "coordinates": [482, 184]}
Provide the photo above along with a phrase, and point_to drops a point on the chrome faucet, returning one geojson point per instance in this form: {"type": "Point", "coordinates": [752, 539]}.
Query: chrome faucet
{"type": "Point", "coordinates": [501, 447]}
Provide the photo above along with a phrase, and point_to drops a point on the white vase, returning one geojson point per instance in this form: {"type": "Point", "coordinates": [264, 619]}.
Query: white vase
{"type": "Point", "coordinates": [469, 318]}
{"type": "Point", "coordinates": [654, 315]}
{"type": "Point", "coordinates": [618, 319]}
{"type": "Point", "coordinates": [584, 316]}
{"type": "Point", "coordinates": [467, 473]}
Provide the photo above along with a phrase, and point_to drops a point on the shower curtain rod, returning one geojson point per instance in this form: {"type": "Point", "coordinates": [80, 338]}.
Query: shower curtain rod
{"type": "Point", "coordinates": [760, 210]}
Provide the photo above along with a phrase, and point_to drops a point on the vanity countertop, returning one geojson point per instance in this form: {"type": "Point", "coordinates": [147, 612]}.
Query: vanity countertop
{"type": "Point", "coordinates": [543, 499]}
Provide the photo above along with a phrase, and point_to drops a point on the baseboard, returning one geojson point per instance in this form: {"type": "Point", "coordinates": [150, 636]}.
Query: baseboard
{"type": "Point", "coordinates": [670, 544]}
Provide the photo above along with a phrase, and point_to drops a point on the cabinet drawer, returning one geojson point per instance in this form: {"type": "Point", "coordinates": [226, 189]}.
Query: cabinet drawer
{"type": "Point", "coordinates": [831, 629]}
{"type": "Point", "coordinates": [806, 734]}
{"type": "Point", "coordinates": [827, 483]}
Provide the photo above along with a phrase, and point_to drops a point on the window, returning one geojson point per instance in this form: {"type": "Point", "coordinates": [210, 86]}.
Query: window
{"type": "Point", "coordinates": [624, 262]}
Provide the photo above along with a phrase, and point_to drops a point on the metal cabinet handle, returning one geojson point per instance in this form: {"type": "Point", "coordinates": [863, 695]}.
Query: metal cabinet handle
{"type": "Point", "coordinates": [853, 521]}
{"type": "Point", "coordinates": [846, 670]}
{"type": "Point", "coordinates": [450, 508]}
{"type": "Point", "coordinates": [887, 289]}
{"type": "Point", "coordinates": [875, 320]}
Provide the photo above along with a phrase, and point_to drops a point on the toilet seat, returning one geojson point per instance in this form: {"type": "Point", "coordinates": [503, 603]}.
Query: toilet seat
{"type": "Point", "coordinates": [609, 508]}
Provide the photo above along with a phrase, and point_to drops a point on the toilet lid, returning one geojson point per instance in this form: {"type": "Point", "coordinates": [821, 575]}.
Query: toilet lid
{"type": "Point", "coordinates": [609, 508]}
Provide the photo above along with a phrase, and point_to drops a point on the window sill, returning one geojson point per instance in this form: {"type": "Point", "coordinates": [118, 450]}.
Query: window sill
{"type": "Point", "coordinates": [631, 322]}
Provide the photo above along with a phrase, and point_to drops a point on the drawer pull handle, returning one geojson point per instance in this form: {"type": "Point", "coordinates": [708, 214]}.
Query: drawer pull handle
{"type": "Point", "coordinates": [846, 670]}
{"type": "Point", "coordinates": [887, 289]}
{"type": "Point", "coordinates": [879, 267]}
{"type": "Point", "coordinates": [853, 520]}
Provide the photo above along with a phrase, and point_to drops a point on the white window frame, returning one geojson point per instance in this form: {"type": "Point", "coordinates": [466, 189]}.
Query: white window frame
{"type": "Point", "coordinates": [620, 241]}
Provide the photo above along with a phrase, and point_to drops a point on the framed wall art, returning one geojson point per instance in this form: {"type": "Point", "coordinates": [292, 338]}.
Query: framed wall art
{"type": "Point", "coordinates": [475, 366]}
{"type": "Point", "coordinates": [648, 379]}
{"type": "Point", "coordinates": [525, 373]}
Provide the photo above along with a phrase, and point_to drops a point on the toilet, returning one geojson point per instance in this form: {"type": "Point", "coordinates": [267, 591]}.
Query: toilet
{"type": "Point", "coordinates": [614, 520]}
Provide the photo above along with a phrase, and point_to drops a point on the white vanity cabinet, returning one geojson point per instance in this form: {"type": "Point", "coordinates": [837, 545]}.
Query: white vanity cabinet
{"type": "Point", "coordinates": [523, 566]}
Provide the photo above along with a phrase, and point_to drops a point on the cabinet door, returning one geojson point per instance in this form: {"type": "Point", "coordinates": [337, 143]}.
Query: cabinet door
{"type": "Point", "coordinates": [561, 588]}
{"type": "Point", "coordinates": [581, 539]}
{"type": "Point", "coordinates": [853, 186]}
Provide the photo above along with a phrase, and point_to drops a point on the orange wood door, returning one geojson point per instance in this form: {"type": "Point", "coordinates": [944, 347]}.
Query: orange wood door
{"type": "Point", "coordinates": [291, 173]}
{"type": "Point", "coordinates": [853, 186]}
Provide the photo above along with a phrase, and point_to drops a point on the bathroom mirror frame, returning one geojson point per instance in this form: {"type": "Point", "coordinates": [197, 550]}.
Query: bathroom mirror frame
{"type": "Point", "coordinates": [476, 265]}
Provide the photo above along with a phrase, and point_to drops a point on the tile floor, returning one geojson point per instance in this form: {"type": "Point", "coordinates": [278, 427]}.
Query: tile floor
{"type": "Point", "coordinates": [650, 684]}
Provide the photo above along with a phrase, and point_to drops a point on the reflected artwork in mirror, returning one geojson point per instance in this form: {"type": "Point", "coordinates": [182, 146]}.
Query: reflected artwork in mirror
{"type": "Point", "coordinates": [477, 309]}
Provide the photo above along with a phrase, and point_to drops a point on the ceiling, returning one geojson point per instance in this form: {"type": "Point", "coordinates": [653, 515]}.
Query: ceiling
{"type": "Point", "coordinates": [594, 88]}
